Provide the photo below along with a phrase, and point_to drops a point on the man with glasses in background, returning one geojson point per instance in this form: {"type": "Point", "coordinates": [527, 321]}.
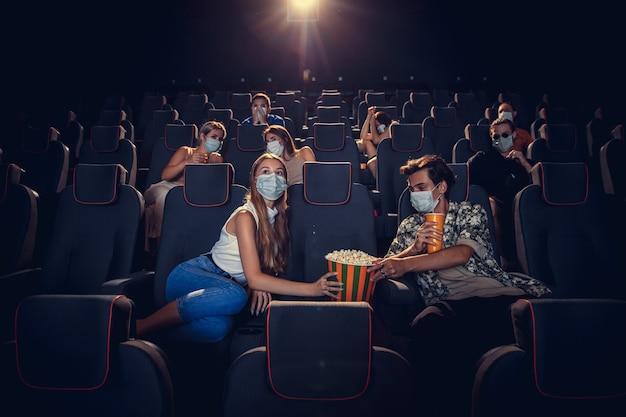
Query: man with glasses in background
{"type": "Point", "coordinates": [502, 172]}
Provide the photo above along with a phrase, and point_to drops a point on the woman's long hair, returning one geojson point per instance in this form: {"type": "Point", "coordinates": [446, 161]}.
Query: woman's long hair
{"type": "Point", "coordinates": [283, 133]}
{"type": "Point", "coordinates": [272, 242]}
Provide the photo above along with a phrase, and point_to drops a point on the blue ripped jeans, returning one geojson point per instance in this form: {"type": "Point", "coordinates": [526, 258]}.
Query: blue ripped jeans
{"type": "Point", "coordinates": [207, 299]}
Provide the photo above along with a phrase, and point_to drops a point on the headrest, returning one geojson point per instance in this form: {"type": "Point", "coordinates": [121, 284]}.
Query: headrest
{"type": "Point", "coordinates": [329, 136]}
{"type": "Point", "coordinates": [406, 137]}
{"type": "Point", "coordinates": [106, 138]}
{"type": "Point", "coordinates": [559, 137]}
{"type": "Point", "coordinates": [562, 184]}
{"type": "Point", "coordinates": [478, 135]}
{"type": "Point", "coordinates": [319, 349]}
{"type": "Point", "coordinates": [279, 111]}
{"type": "Point", "coordinates": [208, 185]}
{"type": "Point", "coordinates": [328, 114]}
{"type": "Point", "coordinates": [162, 117]}
{"type": "Point", "coordinates": [197, 101]}
{"type": "Point", "coordinates": [37, 139]}
{"type": "Point", "coordinates": [68, 342]}
{"type": "Point", "coordinates": [240, 100]}
{"type": "Point", "coordinates": [11, 174]}
{"type": "Point", "coordinates": [375, 98]}
{"type": "Point", "coordinates": [250, 137]}
{"type": "Point", "coordinates": [443, 116]}
{"type": "Point", "coordinates": [576, 345]}
{"type": "Point", "coordinates": [327, 183]}
{"type": "Point", "coordinates": [285, 99]}
{"type": "Point", "coordinates": [98, 183]}
{"type": "Point", "coordinates": [180, 135]}
{"type": "Point", "coordinates": [223, 116]}
{"type": "Point", "coordinates": [331, 98]}
{"type": "Point", "coordinates": [421, 99]}
{"type": "Point", "coordinates": [112, 117]}
{"type": "Point", "coordinates": [465, 100]}
{"type": "Point", "coordinates": [461, 188]}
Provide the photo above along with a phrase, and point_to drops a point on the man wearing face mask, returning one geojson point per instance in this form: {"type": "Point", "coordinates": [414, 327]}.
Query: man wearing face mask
{"type": "Point", "coordinates": [261, 107]}
{"type": "Point", "coordinates": [523, 137]}
{"type": "Point", "coordinates": [467, 294]}
{"type": "Point", "coordinates": [502, 171]}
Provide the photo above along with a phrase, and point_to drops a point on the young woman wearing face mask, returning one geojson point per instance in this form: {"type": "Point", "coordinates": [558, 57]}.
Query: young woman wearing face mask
{"type": "Point", "coordinates": [211, 136]}
{"type": "Point", "coordinates": [466, 292]}
{"type": "Point", "coordinates": [502, 172]}
{"type": "Point", "coordinates": [375, 128]}
{"type": "Point", "coordinates": [279, 142]}
{"type": "Point", "coordinates": [206, 292]}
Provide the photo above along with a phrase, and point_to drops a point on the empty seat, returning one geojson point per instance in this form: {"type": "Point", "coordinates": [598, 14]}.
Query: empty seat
{"type": "Point", "coordinates": [417, 108]}
{"type": "Point", "coordinates": [319, 359]}
{"type": "Point", "coordinates": [331, 142]}
{"type": "Point", "coordinates": [558, 142]}
{"type": "Point", "coordinates": [477, 139]}
{"type": "Point", "coordinates": [328, 211]}
{"type": "Point", "coordinates": [107, 145]}
{"type": "Point", "coordinates": [244, 149]}
{"type": "Point", "coordinates": [444, 129]}
{"type": "Point", "coordinates": [94, 237]}
{"type": "Point", "coordinates": [567, 360]}
{"type": "Point", "coordinates": [564, 237]}
{"type": "Point", "coordinates": [74, 355]}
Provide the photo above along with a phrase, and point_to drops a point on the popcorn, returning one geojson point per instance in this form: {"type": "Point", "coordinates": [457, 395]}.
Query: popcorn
{"type": "Point", "coordinates": [351, 257]}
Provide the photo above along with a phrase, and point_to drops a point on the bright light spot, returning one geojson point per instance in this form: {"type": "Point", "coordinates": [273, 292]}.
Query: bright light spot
{"type": "Point", "coordinates": [199, 80]}
{"type": "Point", "coordinates": [303, 11]}
{"type": "Point", "coordinates": [340, 78]}
{"type": "Point", "coordinates": [384, 78]}
{"type": "Point", "coordinates": [313, 79]}
{"type": "Point", "coordinates": [269, 79]}
{"type": "Point", "coordinates": [411, 78]}
{"type": "Point", "coordinates": [243, 80]}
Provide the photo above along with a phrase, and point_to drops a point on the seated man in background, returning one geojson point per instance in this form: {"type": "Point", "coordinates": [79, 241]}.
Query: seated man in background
{"type": "Point", "coordinates": [502, 171]}
{"type": "Point", "coordinates": [261, 108]}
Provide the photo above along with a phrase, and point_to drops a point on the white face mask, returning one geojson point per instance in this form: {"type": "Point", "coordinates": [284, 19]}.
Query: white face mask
{"type": "Point", "coordinates": [423, 201]}
{"type": "Point", "coordinates": [503, 144]}
{"type": "Point", "coordinates": [507, 115]}
{"type": "Point", "coordinates": [275, 147]}
{"type": "Point", "coordinates": [381, 129]}
{"type": "Point", "coordinates": [271, 186]}
{"type": "Point", "coordinates": [212, 145]}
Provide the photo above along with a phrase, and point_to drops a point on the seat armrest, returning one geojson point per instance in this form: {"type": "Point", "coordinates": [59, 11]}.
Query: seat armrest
{"type": "Point", "coordinates": [138, 286]}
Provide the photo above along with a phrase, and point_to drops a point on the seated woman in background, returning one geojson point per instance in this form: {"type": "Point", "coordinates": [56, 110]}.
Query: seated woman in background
{"type": "Point", "coordinates": [212, 135]}
{"type": "Point", "coordinates": [376, 127]}
{"type": "Point", "coordinates": [280, 143]}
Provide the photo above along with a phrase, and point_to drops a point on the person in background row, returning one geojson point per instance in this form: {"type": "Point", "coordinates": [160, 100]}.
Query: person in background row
{"type": "Point", "coordinates": [204, 293]}
{"type": "Point", "coordinates": [523, 138]}
{"type": "Point", "coordinates": [261, 108]}
{"type": "Point", "coordinates": [376, 127]}
{"type": "Point", "coordinates": [502, 171]}
{"type": "Point", "coordinates": [279, 142]}
{"type": "Point", "coordinates": [466, 292]}
{"type": "Point", "coordinates": [211, 136]}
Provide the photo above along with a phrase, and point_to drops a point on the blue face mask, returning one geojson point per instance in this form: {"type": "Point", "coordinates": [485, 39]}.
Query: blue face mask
{"type": "Point", "coordinates": [423, 201]}
{"type": "Point", "coordinates": [271, 186]}
{"type": "Point", "coordinates": [212, 145]}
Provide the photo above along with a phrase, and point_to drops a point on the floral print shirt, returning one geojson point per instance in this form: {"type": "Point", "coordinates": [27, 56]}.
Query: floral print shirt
{"type": "Point", "coordinates": [464, 221]}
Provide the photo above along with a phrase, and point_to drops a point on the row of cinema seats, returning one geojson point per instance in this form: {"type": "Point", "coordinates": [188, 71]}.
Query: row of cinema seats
{"type": "Point", "coordinates": [319, 214]}
{"type": "Point", "coordinates": [319, 359]}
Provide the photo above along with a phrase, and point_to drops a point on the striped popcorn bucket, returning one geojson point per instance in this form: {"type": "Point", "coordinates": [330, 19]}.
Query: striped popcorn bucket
{"type": "Point", "coordinates": [356, 281]}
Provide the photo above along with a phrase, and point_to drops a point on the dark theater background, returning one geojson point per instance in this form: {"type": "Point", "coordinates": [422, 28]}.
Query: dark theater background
{"type": "Point", "coordinates": [74, 48]}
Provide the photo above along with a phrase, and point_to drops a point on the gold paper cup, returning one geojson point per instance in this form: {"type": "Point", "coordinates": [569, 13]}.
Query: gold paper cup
{"type": "Point", "coordinates": [356, 281]}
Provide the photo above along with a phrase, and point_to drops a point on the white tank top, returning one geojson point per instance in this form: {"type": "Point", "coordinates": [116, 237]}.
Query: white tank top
{"type": "Point", "coordinates": [225, 252]}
